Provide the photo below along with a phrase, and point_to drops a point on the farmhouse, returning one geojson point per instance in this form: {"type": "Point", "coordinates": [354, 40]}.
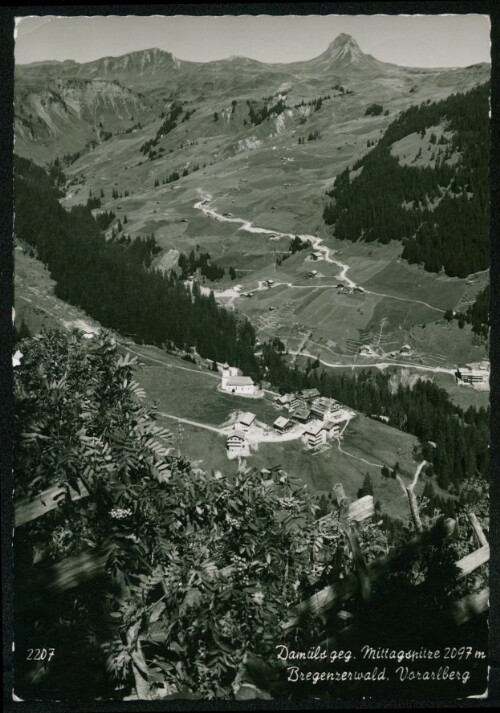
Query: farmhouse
{"type": "Point", "coordinates": [268, 283]}
{"type": "Point", "coordinates": [236, 443]}
{"type": "Point", "coordinates": [245, 421]}
{"type": "Point", "coordinates": [332, 428]}
{"type": "Point", "coordinates": [405, 349]}
{"type": "Point", "coordinates": [235, 383]}
{"type": "Point", "coordinates": [477, 374]}
{"type": "Point", "coordinates": [314, 434]}
{"type": "Point", "coordinates": [285, 400]}
{"type": "Point", "coordinates": [297, 403]}
{"type": "Point", "coordinates": [282, 424]}
{"type": "Point", "coordinates": [366, 350]}
{"type": "Point", "coordinates": [312, 273]}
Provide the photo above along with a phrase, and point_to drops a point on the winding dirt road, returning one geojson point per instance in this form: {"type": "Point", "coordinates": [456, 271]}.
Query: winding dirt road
{"type": "Point", "coordinates": [206, 208]}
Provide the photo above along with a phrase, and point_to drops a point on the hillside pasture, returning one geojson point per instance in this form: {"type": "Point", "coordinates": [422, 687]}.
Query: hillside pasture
{"type": "Point", "coordinates": [403, 280]}
{"type": "Point", "coordinates": [192, 394]}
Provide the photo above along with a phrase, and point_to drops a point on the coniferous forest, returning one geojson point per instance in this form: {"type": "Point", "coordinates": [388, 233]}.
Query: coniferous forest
{"type": "Point", "coordinates": [109, 280]}
{"type": "Point", "coordinates": [476, 314]}
{"type": "Point", "coordinates": [439, 211]}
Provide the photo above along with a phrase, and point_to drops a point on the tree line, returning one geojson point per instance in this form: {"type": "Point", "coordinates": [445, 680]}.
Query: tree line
{"type": "Point", "coordinates": [201, 261]}
{"type": "Point", "coordinates": [440, 212]}
{"type": "Point", "coordinates": [476, 314]}
{"type": "Point", "coordinates": [257, 114]}
{"type": "Point", "coordinates": [110, 282]}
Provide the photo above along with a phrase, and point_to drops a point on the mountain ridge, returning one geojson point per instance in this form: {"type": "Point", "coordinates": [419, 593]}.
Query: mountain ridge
{"type": "Point", "coordinates": [343, 43]}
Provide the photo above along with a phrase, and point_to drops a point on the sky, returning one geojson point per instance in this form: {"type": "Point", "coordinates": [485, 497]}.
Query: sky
{"type": "Point", "coordinates": [409, 40]}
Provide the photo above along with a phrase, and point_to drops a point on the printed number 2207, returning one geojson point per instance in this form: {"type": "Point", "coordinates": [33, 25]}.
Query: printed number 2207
{"type": "Point", "coordinates": [40, 654]}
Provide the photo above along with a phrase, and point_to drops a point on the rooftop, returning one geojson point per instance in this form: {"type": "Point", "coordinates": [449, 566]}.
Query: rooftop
{"type": "Point", "coordinates": [323, 402]}
{"type": "Point", "coordinates": [310, 393]}
{"type": "Point", "coordinates": [281, 422]}
{"type": "Point", "coordinates": [237, 434]}
{"type": "Point", "coordinates": [246, 418]}
{"type": "Point", "coordinates": [301, 412]}
{"type": "Point", "coordinates": [314, 428]}
{"type": "Point", "coordinates": [240, 381]}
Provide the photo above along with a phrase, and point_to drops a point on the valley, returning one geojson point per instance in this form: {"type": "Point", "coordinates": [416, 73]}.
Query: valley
{"type": "Point", "coordinates": [234, 159]}
{"type": "Point", "coordinates": [190, 406]}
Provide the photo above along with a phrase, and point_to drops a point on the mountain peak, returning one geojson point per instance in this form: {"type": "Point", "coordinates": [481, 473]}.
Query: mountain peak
{"type": "Point", "coordinates": [344, 41]}
{"type": "Point", "coordinates": [344, 54]}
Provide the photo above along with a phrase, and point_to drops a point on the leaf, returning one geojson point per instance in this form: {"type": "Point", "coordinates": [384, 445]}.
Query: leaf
{"type": "Point", "coordinates": [158, 609]}
{"type": "Point", "coordinates": [175, 646]}
{"type": "Point", "coordinates": [159, 637]}
{"type": "Point", "coordinates": [192, 598]}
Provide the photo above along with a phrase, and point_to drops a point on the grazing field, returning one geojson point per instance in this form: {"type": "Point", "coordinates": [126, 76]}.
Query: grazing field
{"type": "Point", "coordinates": [463, 396]}
{"type": "Point", "coordinates": [401, 296]}
{"type": "Point", "coordinates": [190, 393]}
{"type": "Point", "coordinates": [410, 282]}
{"type": "Point", "coordinates": [446, 342]}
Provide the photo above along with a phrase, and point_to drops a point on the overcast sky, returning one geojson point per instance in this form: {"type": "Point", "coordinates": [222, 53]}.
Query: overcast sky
{"type": "Point", "coordinates": [418, 40]}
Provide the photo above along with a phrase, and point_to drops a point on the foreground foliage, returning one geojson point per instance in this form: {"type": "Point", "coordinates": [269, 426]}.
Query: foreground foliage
{"type": "Point", "coordinates": [200, 569]}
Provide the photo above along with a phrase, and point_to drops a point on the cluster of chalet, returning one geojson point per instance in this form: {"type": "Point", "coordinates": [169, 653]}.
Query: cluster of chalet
{"type": "Point", "coordinates": [347, 289]}
{"type": "Point", "coordinates": [321, 416]}
{"type": "Point", "coordinates": [367, 350]}
{"type": "Point", "coordinates": [233, 382]}
{"type": "Point", "coordinates": [236, 443]}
